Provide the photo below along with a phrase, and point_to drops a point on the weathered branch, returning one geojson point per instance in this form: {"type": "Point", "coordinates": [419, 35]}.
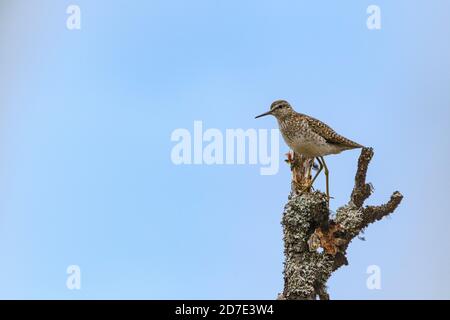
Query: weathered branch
{"type": "Point", "coordinates": [362, 190]}
{"type": "Point", "coordinates": [314, 244]}
{"type": "Point", "coordinates": [375, 213]}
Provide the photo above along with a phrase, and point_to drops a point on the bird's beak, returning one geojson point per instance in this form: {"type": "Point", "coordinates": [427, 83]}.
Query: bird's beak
{"type": "Point", "coordinates": [264, 114]}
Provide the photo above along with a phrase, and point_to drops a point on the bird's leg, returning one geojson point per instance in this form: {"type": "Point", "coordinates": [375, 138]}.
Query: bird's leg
{"type": "Point", "coordinates": [318, 171]}
{"type": "Point", "coordinates": [327, 179]}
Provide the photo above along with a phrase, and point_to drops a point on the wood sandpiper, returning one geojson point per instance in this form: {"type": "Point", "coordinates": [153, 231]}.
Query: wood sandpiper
{"type": "Point", "coordinates": [309, 137]}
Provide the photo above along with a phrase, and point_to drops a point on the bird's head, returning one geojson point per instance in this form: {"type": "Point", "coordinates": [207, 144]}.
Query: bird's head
{"type": "Point", "coordinates": [279, 109]}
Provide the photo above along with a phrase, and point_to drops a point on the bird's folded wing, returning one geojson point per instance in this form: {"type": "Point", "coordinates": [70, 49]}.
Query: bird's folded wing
{"type": "Point", "coordinates": [329, 134]}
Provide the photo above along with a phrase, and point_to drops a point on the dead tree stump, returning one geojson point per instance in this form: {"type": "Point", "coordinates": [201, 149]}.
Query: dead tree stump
{"type": "Point", "coordinates": [314, 243]}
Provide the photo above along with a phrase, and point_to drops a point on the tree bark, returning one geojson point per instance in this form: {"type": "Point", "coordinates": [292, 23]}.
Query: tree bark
{"type": "Point", "coordinates": [315, 244]}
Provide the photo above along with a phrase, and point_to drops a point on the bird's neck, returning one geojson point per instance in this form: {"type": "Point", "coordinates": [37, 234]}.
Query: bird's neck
{"type": "Point", "coordinates": [283, 123]}
{"type": "Point", "coordinates": [283, 117]}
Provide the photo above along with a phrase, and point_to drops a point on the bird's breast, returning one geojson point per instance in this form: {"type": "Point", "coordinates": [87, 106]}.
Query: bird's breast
{"type": "Point", "coordinates": [307, 143]}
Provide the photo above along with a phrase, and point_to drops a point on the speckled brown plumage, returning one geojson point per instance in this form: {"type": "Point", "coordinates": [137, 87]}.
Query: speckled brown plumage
{"type": "Point", "coordinates": [307, 135]}
{"type": "Point", "coordinates": [329, 134]}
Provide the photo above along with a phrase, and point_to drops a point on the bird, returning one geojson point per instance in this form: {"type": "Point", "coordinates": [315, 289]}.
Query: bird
{"type": "Point", "coordinates": [309, 137]}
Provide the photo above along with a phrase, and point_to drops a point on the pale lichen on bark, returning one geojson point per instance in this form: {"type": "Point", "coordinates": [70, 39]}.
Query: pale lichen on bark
{"type": "Point", "coordinates": [314, 243]}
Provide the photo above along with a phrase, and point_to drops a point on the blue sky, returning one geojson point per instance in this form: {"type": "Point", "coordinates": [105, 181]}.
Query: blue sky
{"type": "Point", "coordinates": [86, 117]}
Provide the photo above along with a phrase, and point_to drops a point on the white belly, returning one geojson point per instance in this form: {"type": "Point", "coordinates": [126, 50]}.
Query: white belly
{"type": "Point", "coordinates": [308, 142]}
{"type": "Point", "coordinates": [312, 149]}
